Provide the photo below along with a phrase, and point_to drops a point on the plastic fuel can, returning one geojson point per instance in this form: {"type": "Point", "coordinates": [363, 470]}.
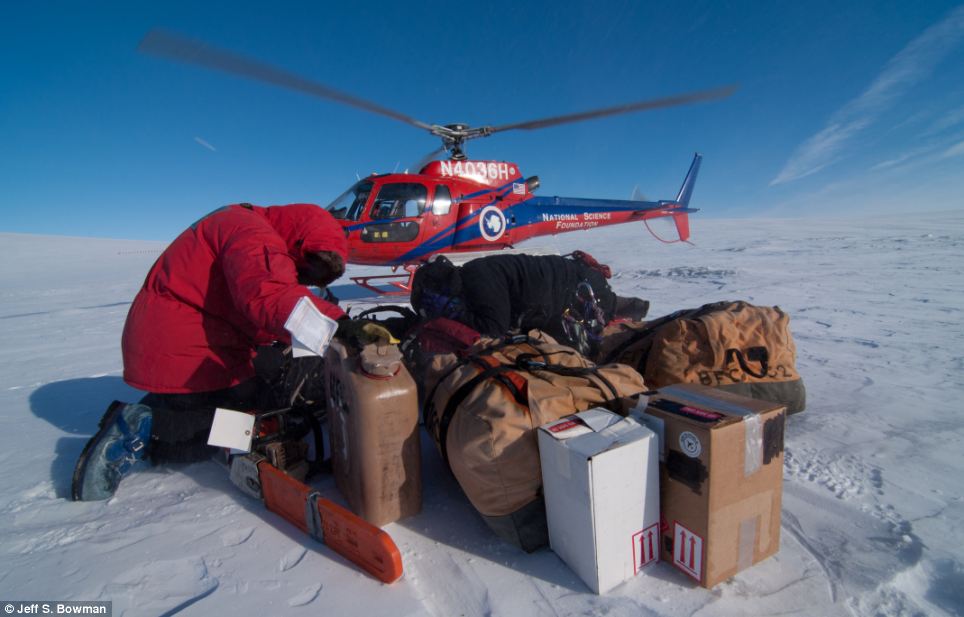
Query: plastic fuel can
{"type": "Point", "coordinates": [373, 415]}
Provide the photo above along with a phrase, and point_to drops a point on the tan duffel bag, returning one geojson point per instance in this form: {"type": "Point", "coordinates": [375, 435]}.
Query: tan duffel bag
{"type": "Point", "coordinates": [483, 410]}
{"type": "Point", "coordinates": [735, 346]}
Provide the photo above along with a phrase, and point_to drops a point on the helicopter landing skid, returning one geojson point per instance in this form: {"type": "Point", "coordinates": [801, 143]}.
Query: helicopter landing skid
{"type": "Point", "coordinates": [394, 284]}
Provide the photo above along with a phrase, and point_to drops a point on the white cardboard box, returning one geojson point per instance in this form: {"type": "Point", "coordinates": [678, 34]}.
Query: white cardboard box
{"type": "Point", "coordinates": [600, 475]}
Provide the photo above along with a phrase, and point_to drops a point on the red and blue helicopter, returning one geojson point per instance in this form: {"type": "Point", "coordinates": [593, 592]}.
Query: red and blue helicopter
{"type": "Point", "coordinates": [462, 205]}
{"type": "Point", "coordinates": [453, 205]}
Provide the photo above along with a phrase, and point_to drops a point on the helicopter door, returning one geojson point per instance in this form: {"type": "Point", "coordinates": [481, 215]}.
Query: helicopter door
{"type": "Point", "coordinates": [395, 213]}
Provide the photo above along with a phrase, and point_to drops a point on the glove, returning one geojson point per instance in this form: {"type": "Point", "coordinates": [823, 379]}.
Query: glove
{"type": "Point", "coordinates": [363, 332]}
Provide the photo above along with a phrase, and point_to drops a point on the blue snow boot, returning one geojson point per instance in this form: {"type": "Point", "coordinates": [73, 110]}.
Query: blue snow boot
{"type": "Point", "coordinates": [122, 441]}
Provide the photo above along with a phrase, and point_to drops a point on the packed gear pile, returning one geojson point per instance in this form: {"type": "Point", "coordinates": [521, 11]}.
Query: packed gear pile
{"type": "Point", "coordinates": [493, 350]}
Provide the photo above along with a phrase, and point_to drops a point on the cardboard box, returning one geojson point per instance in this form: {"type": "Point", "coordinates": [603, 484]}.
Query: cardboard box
{"type": "Point", "coordinates": [721, 478]}
{"type": "Point", "coordinates": [600, 481]}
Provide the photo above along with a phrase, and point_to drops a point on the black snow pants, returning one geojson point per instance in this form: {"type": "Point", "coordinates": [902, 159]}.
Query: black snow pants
{"type": "Point", "coordinates": [181, 422]}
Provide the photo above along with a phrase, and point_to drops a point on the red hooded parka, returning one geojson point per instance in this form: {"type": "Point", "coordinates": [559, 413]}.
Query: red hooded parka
{"type": "Point", "coordinates": [224, 286]}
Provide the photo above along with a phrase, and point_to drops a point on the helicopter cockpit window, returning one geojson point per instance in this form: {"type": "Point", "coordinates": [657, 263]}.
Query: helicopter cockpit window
{"type": "Point", "coordinates": [350, 204]}
{"type": "Point", "coordinates": [442, 201]}
{"type": "Point", "coordinates": [399, 200]}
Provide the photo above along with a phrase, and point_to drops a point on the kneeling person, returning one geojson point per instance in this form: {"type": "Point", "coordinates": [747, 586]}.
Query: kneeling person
{"type": "Point", "coordinates": [223, 289]}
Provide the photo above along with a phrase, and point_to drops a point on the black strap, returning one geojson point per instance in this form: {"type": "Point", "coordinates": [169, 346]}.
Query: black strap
{"type": "Point", "coordinates": [428, 413]}
{"type": "Point", "coordinates": [639, 335]}
{"type": "Point", "coordinates": [517, 394]}
{"type": "Point", "coordinates": [319, 463]}
{"type": "Point", "coordinates": [651, 326]}
{"type": "Point", "coordinates": [404, 311]}
{"type": "Point", "coordinates": [459, 396]}
{"type": "Point", "coordinates": [754, 354]}
{"type": "Point", "coordinates": [523, 362]}
{"type": "Point", "coordinates": [511, 339]}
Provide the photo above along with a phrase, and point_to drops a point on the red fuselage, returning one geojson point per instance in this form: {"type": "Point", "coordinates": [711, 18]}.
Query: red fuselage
{"type": "Point", "coordinates": [454, 206]}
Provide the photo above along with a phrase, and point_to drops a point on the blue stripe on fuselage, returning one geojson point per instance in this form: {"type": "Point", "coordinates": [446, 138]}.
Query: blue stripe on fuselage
{"type": "Point", "coordinates": [527, 212]}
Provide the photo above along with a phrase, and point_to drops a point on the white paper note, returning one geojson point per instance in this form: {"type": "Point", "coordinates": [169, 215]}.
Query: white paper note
{"type": "Point", "coordinates": [311, 330]}
{"type": "Point", "coordinates": [232, 429]}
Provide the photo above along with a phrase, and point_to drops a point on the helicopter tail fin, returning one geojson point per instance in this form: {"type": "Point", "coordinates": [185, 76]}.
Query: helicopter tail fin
{"type": "Point", "coordinates": [682, 219]}
{"type": "Point", "coordinates": [686, 191]}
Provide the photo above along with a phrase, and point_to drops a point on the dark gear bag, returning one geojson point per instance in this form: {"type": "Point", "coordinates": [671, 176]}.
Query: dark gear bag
{"type": "Point", "coordinates": [483, 411]}
{"type": "Point", "coordinates": [735, 346]}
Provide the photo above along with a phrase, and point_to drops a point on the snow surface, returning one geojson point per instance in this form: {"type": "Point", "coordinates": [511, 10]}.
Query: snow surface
{"type": "Point", "coordinates": [873, 522]}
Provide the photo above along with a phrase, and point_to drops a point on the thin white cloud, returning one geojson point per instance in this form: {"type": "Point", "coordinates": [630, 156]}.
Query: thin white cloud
{"type": "Point", "coordinates": [910, 66]}
{"type": "Point", "coordinates": [955, 150]}
{"type": "Point", "coordinates": [950, 119]}
{"type": "Point", "coordinates": [205, 144]}
{"type": "Point", "coordinates": [894, 161]}
{"type": "Point", "coordinates": [917, 187]}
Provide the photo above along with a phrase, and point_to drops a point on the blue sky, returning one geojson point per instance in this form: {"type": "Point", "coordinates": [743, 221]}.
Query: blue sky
{"type": "Point", "coordinates": [843, 107]}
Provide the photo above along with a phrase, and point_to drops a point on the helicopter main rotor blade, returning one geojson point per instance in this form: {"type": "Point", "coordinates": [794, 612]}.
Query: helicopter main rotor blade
{"type": "Point", "coordinates": [175, 47]}
{"type": "Point", "coordinates": [670, 101]}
